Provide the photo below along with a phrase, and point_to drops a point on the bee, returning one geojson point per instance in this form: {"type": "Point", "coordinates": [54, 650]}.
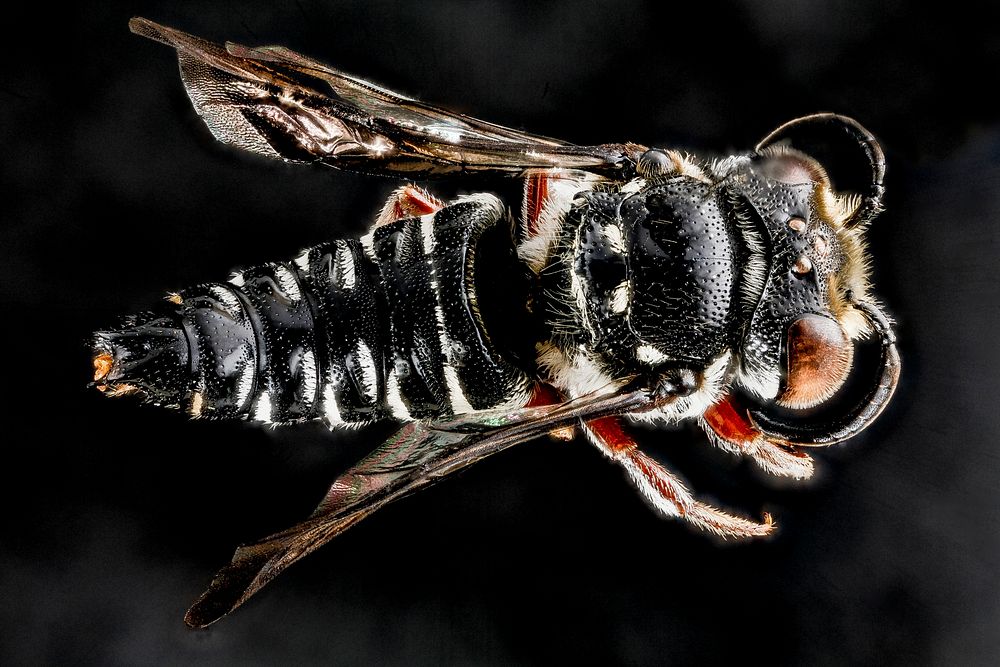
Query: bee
{"type": "Point", "coordinates": [638, 284]}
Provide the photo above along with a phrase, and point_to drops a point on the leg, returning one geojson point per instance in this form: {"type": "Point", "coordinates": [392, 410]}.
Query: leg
{"type": "Point", "coordinates": [728, 426]}
{"type": "Point", "coordinates": [548, 197]}
{"type": "Point", "coordinates": [546, 394]}
{"type": "Point", "coordinates": [663, 489]}
{"type": "Point", "coordinates": [409, 201]}
{"type": "Point", "coordinates": [536, 194]}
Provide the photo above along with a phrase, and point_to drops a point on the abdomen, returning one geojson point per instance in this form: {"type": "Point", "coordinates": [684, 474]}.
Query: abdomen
{"type": "Point", "coordinates": [351, 331]}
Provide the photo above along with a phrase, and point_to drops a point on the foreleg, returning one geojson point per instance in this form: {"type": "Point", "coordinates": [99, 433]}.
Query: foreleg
{"type": "Point", "coordinates": [729, 427]}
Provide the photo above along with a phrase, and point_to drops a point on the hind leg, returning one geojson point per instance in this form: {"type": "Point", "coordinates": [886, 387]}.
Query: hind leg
{"type": "Point", "coordinates": [408, 201]}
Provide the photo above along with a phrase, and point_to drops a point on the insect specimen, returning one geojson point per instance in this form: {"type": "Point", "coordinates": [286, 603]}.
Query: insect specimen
{"type": "Point", "coordinates": [638, 284]}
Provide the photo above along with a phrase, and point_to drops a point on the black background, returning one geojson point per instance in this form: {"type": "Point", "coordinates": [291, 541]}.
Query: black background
{"type": "Point", "coordinates": [115, 516]}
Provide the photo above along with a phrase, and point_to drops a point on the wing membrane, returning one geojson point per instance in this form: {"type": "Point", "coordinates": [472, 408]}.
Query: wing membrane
{"type": "Point", "coordinates": [275, 102]}
{"type": "Point", "coordinates": [417, 456]}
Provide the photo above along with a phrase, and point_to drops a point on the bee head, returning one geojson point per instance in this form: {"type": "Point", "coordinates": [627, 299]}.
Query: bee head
{"type": "Point", "coordinates": [798, 342]}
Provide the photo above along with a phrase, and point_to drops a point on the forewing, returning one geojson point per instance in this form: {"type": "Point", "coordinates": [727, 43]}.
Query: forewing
{"type": "Point", "coordinates": [417, 456]}
{"type": "Point", "coordinates": [278, 103]}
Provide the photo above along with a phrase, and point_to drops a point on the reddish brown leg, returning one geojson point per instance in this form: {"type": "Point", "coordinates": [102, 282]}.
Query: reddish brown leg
{"type": "Point", "coordinates": [536, 191]}
{"type": "Point", "coordinates": [728, 425]}
{"type": "Point", "coordinates": [409, 201]}
{"type": "Point", "coordinates": [664, 491]}
{"type": "Point", "coordinates": [546, 394]}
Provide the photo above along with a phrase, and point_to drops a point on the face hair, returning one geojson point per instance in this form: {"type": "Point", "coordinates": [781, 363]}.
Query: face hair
{"type": "Point", "coordinates": [756, 265]}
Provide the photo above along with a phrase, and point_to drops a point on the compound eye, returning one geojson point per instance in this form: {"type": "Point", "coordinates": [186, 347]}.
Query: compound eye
{"type": "Point", "coordinates": [792, 167]}
{"type": "Point", "coordinates": [818, 357]}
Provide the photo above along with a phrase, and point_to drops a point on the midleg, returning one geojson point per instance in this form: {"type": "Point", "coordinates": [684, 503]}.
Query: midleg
{"type": "Point", "coordinates": [664, 490]}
